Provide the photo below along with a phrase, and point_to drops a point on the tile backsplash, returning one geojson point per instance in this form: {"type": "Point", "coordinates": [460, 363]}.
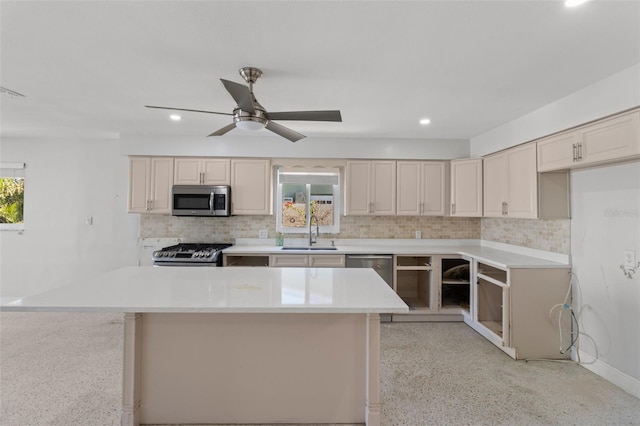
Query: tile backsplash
{"type": "Point", "coordinates": [542, 234]}
{"type": "Point", "coordinates": [226, 229]}
{"type": "Point", "coordinates": [549, 235]}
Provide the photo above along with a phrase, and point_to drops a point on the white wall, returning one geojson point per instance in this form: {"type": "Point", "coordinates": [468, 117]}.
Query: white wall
{"type": "Point", "coordinates": [606, 221]}
{"type": "Point", "coordinates": [616, 93]}
{"type": "Point", "coordinates": [274, 146]}
{"type": "Point", "coordinates": [67, 181]}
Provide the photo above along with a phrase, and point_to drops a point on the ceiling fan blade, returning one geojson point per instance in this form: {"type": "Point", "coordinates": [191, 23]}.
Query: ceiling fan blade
{"type": "Point", "coordinates": [285, 132]}
{"type": "Point", "coordinates": [224, 130]}
{"type": "Point", "coordinates": [190, 110]}
{"type": "Point", "coordinates": [241, 94]}
{"type": "Point", "coordinates": [306, 115]}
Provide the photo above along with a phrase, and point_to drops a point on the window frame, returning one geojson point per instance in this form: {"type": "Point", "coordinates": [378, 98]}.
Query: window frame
{"type": "Point", "coordinates": [336, 202]}
{"type": "Point", "coordinates": [13, 170]}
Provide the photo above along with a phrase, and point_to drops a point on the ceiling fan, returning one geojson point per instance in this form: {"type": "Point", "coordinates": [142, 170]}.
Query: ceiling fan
{"type": "Point", "coordinates": [250, 115]}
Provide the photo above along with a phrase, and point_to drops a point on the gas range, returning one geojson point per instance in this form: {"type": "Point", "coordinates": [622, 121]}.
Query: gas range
{"type": "Point", "coordinates": [190, 254]}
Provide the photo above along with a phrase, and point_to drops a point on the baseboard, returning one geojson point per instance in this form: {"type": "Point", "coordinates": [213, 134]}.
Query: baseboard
{"type": "Point", "coordinates": [622, 380]}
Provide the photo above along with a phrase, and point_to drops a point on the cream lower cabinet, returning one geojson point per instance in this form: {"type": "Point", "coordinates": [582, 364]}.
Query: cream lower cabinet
{"type": "Point", "coordinates": [150, 181]}
{"type": "Point", "coordinates": [435, 287]}
{"type": "Point", "coordinates": [511, 308]}
{"type": "Point", "coordinates": [202, 171]}
{"type": "Point", "coordinates": [466, 187]}
{"type": "Point", "coordinates": [370, 188]}
{"type": "Point", "coordinates": [251, 186]}
{"type": "Point", "coordinates": [510, 183]}
{"type": "Point", "coordinates": [613, 139]}
{"type": "Point", "coordinates": [304, 260]}
{"type": "Point", "coordinates": [422, 188]}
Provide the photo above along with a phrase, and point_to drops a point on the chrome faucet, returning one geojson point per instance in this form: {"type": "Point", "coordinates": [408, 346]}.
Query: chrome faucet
{"type": "Point", "coordinates": [311, 239]}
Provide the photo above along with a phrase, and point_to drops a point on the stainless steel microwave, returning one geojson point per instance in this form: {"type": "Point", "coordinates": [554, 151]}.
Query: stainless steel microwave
{"type": "Point", "coordinates": [200, 200]}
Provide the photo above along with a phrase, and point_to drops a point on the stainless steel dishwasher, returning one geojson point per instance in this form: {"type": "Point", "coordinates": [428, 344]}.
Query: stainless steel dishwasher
{"type": "Point", "coordinates": [381, 263]}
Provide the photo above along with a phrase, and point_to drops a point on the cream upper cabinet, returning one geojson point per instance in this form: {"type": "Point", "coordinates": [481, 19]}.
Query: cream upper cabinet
{"type": "Point", "coordinates": [466, 187]}
{"type": "Point", "coordinates": [202, 171]}
{"type": "Point", "coordinates": [370, 188]}
{"type": "Point", "coordinates": [150, 181]}
{"type": "Point", "coordinates": [422, 188]}
{"type": "Point", "coordinates": [251, 186]}
{"type": "Point", "coordinates": [611, 139]}
{"type": "Point", "coordinates": [510, 183]}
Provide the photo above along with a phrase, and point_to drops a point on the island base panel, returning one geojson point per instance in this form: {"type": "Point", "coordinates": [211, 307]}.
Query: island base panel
{"type": "Point", "coordinates": [255, 368]}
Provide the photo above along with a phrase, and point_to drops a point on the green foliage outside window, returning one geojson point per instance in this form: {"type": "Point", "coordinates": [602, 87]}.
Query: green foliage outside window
{"type": "Point", "coordinates": [11, 200]}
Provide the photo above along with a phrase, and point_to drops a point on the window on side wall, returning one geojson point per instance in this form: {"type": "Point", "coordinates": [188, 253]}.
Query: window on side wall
{"type": "Point", "coordinates": [301, 195]}
{"type": "Point", "coordinates": [12, 196]}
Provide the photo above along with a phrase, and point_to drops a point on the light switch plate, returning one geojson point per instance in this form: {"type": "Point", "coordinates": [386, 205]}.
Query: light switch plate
{"type": "Point", "coordinates": [418, 235]}
{"type": "Point", "coordinates": [263, 233]}
{"type": "Point", "coordinates": [630, 258]}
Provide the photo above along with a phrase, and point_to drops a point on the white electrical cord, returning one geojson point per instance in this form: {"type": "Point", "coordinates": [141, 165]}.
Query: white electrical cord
{"type": "Point", "coordinates": [564, 306]}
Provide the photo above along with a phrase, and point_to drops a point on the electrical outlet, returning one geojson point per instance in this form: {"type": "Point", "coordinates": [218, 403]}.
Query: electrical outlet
{"type": "Point", "coordinates": [418, 235]}
{"type": "Point", "coordinates": [630, 258]}
{"type": "Point", "coordinates": [263, 233]}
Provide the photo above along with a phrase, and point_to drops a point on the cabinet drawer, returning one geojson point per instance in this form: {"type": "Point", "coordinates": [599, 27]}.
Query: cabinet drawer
{"type": "Point", "coordinates": [326, 261]}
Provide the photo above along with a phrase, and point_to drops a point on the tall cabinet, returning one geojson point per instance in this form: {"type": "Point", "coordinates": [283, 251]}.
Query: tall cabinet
{"type": "Point", "coordinates": [422, 188]}
{"type": "Point", "coordinates": [466, 187]}
{"type": "Point", "coordinates": [510, 183]}
{"type": "Point", "coordinates": [370, 188]}
{"type": "Point", "coordinates": [250, 186]}
{"type": "Point", "coordinates": [150, 180]}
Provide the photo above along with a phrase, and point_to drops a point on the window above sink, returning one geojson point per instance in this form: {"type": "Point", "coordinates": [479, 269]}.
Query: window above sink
{"type": "Point", "coordinates": [300, 194]}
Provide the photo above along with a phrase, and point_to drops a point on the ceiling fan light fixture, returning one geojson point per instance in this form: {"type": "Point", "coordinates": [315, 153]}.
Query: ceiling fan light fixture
{"type": "Point", "coordinates": [250, 123]}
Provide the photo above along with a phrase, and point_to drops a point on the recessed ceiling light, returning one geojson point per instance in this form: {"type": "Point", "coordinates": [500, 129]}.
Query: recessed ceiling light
{"type": "Point", "coordinates": [574, 3]}
{"type": "Point", "coordinates": [424, 121]}
{"type": "Point", "coordinates": [175, 117]}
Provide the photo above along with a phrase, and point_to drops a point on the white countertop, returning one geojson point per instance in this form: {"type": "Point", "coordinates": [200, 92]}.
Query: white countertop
{"type": "Point", "coordinates": [221, 290]}
{"type": "Point", "coordinates": [500, 257]}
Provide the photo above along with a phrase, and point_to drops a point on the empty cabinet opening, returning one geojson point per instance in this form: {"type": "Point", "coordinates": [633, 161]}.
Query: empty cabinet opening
{"type": "Point", "coordinates": [455, 290]}
{"type": "Point", "coordinates": [257, 260]}
{"type": "Point", "coordinates": [413, 261]}
{"type": "Point", "coordinates": [414, 288]}
{"type": "Point", "coordinates": [490, 306]}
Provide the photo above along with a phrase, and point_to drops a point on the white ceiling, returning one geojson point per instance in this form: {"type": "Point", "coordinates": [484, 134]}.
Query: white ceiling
{"type": "Point", "coordinates": [88, 67]}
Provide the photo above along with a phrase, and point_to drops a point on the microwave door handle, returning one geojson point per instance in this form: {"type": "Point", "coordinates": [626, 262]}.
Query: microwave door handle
{"type": "Point", "coordinates": [211, 195]}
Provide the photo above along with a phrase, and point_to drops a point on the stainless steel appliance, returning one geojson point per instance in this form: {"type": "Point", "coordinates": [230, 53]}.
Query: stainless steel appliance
{"type": "Point", "coordinates": [381, 263]}
{"type": "Point", "coordinates": [201, 200]}
{"type": "Point", "coordinates": [190, 254]}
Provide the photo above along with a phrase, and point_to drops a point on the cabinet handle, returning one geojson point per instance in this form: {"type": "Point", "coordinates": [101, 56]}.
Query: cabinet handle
{"type": "Point", "coordinates": [421, 208]}
{"type": "Point", "coordinates": [575, 152]}
{"type": "Point", "coordinates": [453, 208]}
{"type": "Point", "coordinates": [202, 177]}
{"type": "Point", "coordinates": [580, 151]}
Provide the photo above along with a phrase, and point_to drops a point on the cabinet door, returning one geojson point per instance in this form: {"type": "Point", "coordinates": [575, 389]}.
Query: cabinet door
{"type": "Point", "coordinates": [251, 186]}
{"type": "Point", "coordinates": [288, 261]}
{"type": "Point", "coordinates": [139, 184]}
{"type": "Point", "coordinates": [495, 184]}
{"type": "Point", "coordinates": [188, 171]}
{"type": "Point", "coordinates": [408, 188]}
{"type": "Point", "coordinates": [383, 187]}
{"type": "Point", "coordinates": [557, 152]}
{"type": "Point", "coordinates": [326, 261]}
{"type": "Point", "coordinates": [434, 198]}
{"type": "Point", "coordinates": [522, 182]}
{"type": "Point", "coordinates": [216, 171]}
{"type": "Point", "coordinates": [161, 182]}
{"type": "Point", "coordinates": [612, 139]}
{"type": "Point", "coordinates": [466, 187]}
{"type": "Point", "coordinates": [358, 187]}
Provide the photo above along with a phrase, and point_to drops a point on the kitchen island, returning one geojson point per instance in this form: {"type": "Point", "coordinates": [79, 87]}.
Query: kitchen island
{"type": "Point", "coordinates": [241, 345]}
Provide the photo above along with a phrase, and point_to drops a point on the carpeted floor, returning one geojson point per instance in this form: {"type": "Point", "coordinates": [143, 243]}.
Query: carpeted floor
{"type": "Point", "coordinates": [65, 369]}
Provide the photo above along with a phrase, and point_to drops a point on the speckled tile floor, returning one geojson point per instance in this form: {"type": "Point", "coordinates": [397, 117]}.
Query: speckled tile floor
{"type": "Point", "coordinates": [64, 369]}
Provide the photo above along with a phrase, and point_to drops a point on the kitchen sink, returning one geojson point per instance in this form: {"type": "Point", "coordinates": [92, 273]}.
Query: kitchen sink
{"type": "Point", "coordinates": [307, 248]}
